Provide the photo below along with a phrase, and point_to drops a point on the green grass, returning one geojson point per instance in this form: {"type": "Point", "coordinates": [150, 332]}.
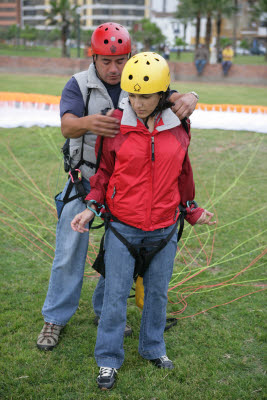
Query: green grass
{"type": "Point", "coordinates": [49, 51]}
{"type": "Point", "coordinates": [218, 353]}
{"type": "Point", "coordinates": [41, 84]}
{"type": "Point", "coordinates": [238, 59]}
{"type": "Point", "coordinates": [209, 93]}
{"type": "Point", "coordinates": [224, 94]}
{"type": "Point", "coordinates": [36, 51]}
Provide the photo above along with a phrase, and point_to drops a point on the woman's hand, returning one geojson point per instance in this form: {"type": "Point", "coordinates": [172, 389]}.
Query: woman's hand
{"type": "Point", "coordinates": [205, 218]}
{"type": "Point", "coordinates": [80, 220]}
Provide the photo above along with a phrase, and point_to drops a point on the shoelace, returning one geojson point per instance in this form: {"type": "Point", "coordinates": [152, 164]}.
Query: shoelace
{"type": "Point", "coordinates": [164, 358]}
{"type": "Point", "coordinates": [106, 372]}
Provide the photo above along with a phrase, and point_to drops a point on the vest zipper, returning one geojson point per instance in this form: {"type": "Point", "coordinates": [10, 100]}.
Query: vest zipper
{"type": "Point", "coordinates": [153, 148]}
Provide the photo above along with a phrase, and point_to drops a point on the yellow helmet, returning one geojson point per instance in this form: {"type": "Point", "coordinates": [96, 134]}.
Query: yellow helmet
{"type": "Point", "coordinates": [145, 73]}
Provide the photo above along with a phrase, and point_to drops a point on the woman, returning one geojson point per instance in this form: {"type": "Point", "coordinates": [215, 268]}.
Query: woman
{"type": "Point", "coordinates": [143, 177]}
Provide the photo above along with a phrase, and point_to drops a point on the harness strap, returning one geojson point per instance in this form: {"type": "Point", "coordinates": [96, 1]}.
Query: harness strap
{"type": "Point", "coordinates": [142, 256]}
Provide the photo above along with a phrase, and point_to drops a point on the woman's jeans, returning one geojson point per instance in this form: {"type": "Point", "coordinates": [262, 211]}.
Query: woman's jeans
{"type": "Point", "coordinates": [119, 278]}
{"type": "Point", "coordinates": [67, 273]}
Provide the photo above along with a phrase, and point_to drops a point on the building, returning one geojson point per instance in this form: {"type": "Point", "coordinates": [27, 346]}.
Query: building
{"type": "Point", "coordinates": [163, 14]}
{"type": "Point", "coordinates": [92, 12]}
{"type": "Point", "coordinates": [33, 13]}
{"type": "Point", "coordinates": [10, 13]}
{"type": "Point", "coordinates": [125, 12]}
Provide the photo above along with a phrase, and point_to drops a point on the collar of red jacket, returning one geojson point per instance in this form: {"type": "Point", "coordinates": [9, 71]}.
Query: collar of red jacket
{"type": "Point", "coordinates": [165, 121]}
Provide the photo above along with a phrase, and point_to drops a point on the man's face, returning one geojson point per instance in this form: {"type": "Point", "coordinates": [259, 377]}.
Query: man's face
{"type": "Point", "coordinates": [109, 68]}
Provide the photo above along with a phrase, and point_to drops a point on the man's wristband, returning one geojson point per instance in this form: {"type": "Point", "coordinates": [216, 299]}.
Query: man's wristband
{"type": "Point", "coordinates": [195, 94]}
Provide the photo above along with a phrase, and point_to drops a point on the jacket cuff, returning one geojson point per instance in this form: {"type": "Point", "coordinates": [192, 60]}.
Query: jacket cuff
{"type": "Point", "coordinates": [193, 214]}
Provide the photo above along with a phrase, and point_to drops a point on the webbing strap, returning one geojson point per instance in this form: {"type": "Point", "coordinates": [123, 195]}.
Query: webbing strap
{"type": "Point", "coordinates": [142, 256]}
{"type": "Point", "coordinates": [75, 181]}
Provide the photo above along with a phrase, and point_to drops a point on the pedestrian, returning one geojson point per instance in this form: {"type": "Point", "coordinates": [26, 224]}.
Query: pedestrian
{"type": "Point", "coordinates": [83, 98]}
{"type": "Point", "coordinates": [227, 59]}
{"type": "Point", "coordinates": [166, 52]}
{"type": "Point", "coordinates": [201, 58]}
{"type": "Point", "coordinates": [143, 178]}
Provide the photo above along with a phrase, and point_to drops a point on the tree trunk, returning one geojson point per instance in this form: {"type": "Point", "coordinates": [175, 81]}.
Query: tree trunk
{"type": "Point", "coordinates": [64, 37]}
{"type": "Point", "coordinates": [208, 31]}
{"type": "Point", "coordinates": [218, 31]}
{"type": "Point", "coordinates": [197, 30]}
{"type": "Point", "coordinates": [185, 29]}
{"type": "Point", "coordinates": [235, 26]}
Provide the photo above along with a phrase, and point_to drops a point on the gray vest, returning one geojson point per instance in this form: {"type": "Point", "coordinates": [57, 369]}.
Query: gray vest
{"type": "Point", "coordinates": [99, 100]}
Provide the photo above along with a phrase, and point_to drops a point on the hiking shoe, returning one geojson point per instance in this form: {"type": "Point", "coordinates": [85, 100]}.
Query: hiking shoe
{"type": "Point", "coordinates": [163, 362]}
{"type": "Point", "coordinates": [127, 331]}
{"type": "Point", "coordinates": [48, 337]}
{"type": "Point", "coordinates": [106, 378]}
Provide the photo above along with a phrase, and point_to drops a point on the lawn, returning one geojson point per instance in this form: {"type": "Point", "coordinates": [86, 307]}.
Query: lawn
{"type": "Point", "coordinates": [217, 290]}
{"type": "Point", "coordinates": [209, 93]}
{"type": "Point", "coordinates": [49, 51]}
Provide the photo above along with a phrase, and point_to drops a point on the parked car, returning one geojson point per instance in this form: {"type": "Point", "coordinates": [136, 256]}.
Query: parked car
{"type": "Point", "coordinates": [241, 50]}
{"type": "Point", "coordinates": [258, 51]}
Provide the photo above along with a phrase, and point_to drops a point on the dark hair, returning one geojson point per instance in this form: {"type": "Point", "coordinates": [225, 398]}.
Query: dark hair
{"type": "Point", "coordinates": [163, 103]}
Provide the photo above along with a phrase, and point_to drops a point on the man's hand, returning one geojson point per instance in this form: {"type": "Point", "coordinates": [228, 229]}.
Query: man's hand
{"type": "Point", "coordinates": [184, 104]}
{"type": "Point", "coordinates": [80, 220]}
{"type": "Point", "coordinates": [205, 218]}
{"type": "Point", "coordinates": [103, 125]}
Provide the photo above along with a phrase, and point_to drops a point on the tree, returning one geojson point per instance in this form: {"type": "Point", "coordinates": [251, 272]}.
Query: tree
{"type": "Point", "coordinates": [28, 33]}
{"type": "Point", "coordinates": [63, 15]}
{"type": "Point", "coordinates": [222, 8]}
{"type": "Point", "coordinates": [149, 34]}
{"type": "Point", "coordinates": [13, 32]}
{"type": "Point", "coordinates": [190, 10]}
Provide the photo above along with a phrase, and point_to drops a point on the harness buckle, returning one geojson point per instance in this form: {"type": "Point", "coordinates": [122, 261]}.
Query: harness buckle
{"type": "Point", "coordinates": [79, 175]}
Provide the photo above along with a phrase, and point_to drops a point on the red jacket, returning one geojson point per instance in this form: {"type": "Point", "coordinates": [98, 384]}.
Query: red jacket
{"type": "Point", "coordinates": [140, 189]}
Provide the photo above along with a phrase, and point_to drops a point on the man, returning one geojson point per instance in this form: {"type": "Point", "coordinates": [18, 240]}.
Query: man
{"type": "Point", "coordinates": [85, 95]}
{"type": "Point", "coordinates": [201, 58]}
{"type": "Point", "coordinates": [227, 57]}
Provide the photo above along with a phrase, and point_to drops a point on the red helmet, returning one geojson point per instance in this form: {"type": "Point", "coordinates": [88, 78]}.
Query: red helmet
{"type": "Point", "coordinates": [111, 39]}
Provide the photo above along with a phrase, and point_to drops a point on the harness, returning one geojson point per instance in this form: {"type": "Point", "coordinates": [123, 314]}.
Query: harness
{"type": "Point", "coordinates": [75, 172]}
{"type": "Point", "coordinates": [139, 252]}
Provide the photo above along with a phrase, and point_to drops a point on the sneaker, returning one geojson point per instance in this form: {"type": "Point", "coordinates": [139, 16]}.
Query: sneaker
{"type": "Point", "coordinates": [106, 378]}
{"type": "Point", "coordinates": [127, 331]}
{"type": "Point", "coordinates": [48, 337]}
{"type": "Point", "coordinates": [163, 362]}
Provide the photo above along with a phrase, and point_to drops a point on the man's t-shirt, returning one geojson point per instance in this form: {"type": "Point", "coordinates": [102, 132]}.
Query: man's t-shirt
{"type": "Point", "coordinates": [72, 99]}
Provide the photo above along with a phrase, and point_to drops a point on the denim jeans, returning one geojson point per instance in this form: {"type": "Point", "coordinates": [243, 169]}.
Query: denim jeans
{"type": "Point", "coordinates": [66, 278]}
{"type": "Point", "coordinates": [200, 64]}
{"type": "Point", "coordinates": [119, 263]}
{"type": "Point", "coordinates": [226, 65]}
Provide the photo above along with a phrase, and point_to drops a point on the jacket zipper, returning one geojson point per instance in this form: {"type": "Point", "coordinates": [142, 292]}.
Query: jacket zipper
{"type": "Point", "coordinates": [114, 192]}
{"type": "Point", "coordinates": [152, 148]}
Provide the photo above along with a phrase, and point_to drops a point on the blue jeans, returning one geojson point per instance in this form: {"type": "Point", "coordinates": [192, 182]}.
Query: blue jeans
{"type": "Point", "coordinates": [66, 278]}
{"type": "Point", "coordinates": [119, 278]}
{"type": "Point", "coordinates": [226, 65]}
{"type": "Point", "coordinates": [200, 64]}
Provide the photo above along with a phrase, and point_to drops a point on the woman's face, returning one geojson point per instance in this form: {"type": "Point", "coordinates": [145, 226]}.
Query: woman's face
{"type": "Point", "coordinates": [144, 104]}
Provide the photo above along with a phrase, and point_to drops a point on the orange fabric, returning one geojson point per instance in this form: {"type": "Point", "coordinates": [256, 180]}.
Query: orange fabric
{"type": "Point", "coordinates": [49, 99]}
